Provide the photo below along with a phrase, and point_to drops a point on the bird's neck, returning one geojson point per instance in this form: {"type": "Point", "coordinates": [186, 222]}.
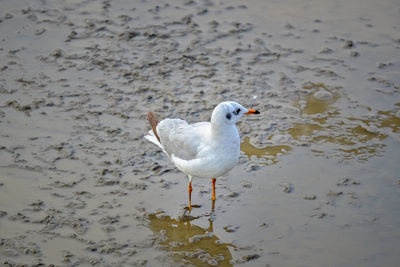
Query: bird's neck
{"type": "Point", "coordinates": [224, 131]}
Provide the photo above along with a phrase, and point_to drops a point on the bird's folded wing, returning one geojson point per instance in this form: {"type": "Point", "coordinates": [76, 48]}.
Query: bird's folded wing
{"type": "Point", "coordinates": [181, 139]}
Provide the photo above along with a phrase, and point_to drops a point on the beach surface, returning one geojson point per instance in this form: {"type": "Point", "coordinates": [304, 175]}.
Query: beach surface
{"type": "Point", "coordinates": [318, 182]}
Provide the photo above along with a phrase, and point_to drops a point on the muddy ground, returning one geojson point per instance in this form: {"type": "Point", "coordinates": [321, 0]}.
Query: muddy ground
{"type": "Point", "coordinates": [318, 181]}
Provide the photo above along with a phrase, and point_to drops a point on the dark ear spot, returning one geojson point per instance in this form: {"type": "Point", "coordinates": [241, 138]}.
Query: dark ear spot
{"type": "Point", "coordinates": [228, 116]}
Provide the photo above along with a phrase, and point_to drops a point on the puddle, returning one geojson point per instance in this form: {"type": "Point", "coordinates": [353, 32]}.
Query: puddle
{"type": "Point", "coordinates": [270, 153]}
{"type": "Point", "coordinates": [318, 100]}
{"type": "Point", "coordinates": [352, 137]}
{"type": "Point", "coordinates": [301, 131]}
{"type": "Point", "coordinates": [390, 119]}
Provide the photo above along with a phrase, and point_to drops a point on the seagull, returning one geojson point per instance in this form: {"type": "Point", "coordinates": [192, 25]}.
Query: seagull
{"type": "Point", "coordinates": [203, 149]}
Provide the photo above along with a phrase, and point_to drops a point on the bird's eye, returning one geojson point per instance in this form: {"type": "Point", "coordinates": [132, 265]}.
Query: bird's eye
{"type": "Point", "coordinates": [237, 111]}
{"type": "Point", "coordinates": [228, 116]}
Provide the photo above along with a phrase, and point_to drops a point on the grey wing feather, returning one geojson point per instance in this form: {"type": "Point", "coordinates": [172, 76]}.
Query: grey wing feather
{"type": "Point", "coordinates": [180, 138]}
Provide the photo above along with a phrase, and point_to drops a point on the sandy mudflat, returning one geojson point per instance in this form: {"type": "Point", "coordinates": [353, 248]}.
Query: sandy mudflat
{"type": "Point", "coordinates": [318, 182]}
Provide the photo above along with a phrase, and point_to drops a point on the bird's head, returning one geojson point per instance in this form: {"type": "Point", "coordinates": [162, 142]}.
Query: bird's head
{"type": "Point", "coordinates": [229, 112]}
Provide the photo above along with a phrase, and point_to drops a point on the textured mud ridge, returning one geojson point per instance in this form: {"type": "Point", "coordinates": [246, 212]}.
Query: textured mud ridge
{"type": "Point", "coordinates": [318, 179]}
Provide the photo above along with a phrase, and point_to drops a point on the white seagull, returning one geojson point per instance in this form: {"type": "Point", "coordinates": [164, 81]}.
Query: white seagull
{"type": "Point", "coordinates": [203, 149]}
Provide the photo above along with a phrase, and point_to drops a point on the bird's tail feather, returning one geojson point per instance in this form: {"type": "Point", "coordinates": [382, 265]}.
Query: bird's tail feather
{"type": "Point", "coordinates": [153, 122]}
{"type": "Point", "coordinates": [152, 136]}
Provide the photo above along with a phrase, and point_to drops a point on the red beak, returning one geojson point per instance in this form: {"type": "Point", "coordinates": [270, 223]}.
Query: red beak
{"type": "Point", "coordinates": [252, 111]}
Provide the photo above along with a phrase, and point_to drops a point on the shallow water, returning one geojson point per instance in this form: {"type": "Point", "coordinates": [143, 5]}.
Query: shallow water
{"type": "Point", "coordinates": [318, 179]}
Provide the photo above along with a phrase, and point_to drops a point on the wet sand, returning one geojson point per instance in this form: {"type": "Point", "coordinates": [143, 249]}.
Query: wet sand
{"type": "Point", "coordinates": [318, 181]}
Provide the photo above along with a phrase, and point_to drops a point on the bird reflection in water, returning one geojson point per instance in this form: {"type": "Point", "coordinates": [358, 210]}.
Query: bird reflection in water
{"type": "Point", "coordinates": [188, 243]}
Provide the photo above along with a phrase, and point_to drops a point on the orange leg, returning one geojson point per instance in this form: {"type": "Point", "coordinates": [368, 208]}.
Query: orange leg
{"type": "Point", "coordinates": [213, 189]}
{"type": "Point", "coordinates": [190, 195]}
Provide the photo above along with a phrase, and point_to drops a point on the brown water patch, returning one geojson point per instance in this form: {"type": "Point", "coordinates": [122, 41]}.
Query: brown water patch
{"type": "Point", "coordinates": [270, 153]}
{"type": "Point", "coordinates": [189, 243]}
{"type": "Point", "coordinates": [389, 119]}
{"type": "Point", "coordinates": [362, 153]}
{"type": "Point", "coordinates": [363, 135]}
{"type": "Point", "coordinates": [354, 137]}
{"type": "Point", "coordinates": [384, 119]}
{"type": "Point", "coordinates": [319, 100]}
{"type": "Point", "coordinates": [352, 140]}
{"type": "Point", "coordinates": [300, 130]}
